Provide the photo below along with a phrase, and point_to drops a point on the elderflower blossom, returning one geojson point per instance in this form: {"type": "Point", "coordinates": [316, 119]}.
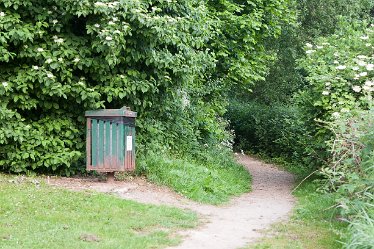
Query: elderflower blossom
{"type": "Point", "coordinates": [344, 110]}
{"type": "Point", "coordinates": [325, 93]}
{"type": "Point", "coordinates": [76, 60]}
{"type": "Point", "coordinates": [336, 62]}
{"type": "Point", "coordinates": [361, 56]}
{"type": "Point", "coordinates": [309, 45]}
{"type": "Point", "coordinates": [319, 47]}
{"type": "Point", "coordinates": [370, 67]}
{"type": "Point", "coordinates": [59, 40]}
{"type": "Point", "coordinates": [97, 25]}
{"type": "Point", "coordinates": [40, 49]}
{"type": "Point", "coordinates": [111, 23]}
{"type": "Point", "coordinates": [341, 67]}
{"type": "Point", "coordinates": [50, 75]}
{"type": "Point", "coordinates": [357, 89]}
{"type": "Point", "coordinates": [108, 38]}
{"type": "Point", "coordinates": [100, 4]}
{"type": "Point", "coordinates": [361, 63]}
{"type": "Point", "coordinates": [336, 114]}
{"type": "Point", "coordinates": [4, 83]}
{"type": "Point", "coordinates": [35, 67]}
{"type": "Point", "coordinates": [363, 74]}
{"type": "Point", "coordinates": [309, 51]}
{"type": "Point", "coordinates": [355, 68]}
{"type": "Point", "coordinates": [2, 14]}
{"type": "Point", "coordinates": [113, 4]}
{"type": "Point", "coordinates": [54, 21]}
{"type": "Point", "coordinates": [369, 83]}
{"type": "Point", "coordinates": [116, 32]}
{"type": "Point", "coordinates": [367, 88]}
{"type": "Point", "coordinates": [49, 60]}
{"type": "Point", "coordinates": [364, 37]}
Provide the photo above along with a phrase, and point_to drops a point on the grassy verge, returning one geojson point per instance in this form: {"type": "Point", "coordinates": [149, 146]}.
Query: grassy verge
{"type": "Point", "coordinates": [212, 180]}
{"type": "Point", "coordinates": [33, 215]}
{"type": "Point", "coordinates": [312, 225]}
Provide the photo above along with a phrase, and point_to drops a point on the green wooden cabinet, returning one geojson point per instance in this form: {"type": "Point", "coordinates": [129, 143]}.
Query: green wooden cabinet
{"type": "Point", "coordinates": [111, 140]}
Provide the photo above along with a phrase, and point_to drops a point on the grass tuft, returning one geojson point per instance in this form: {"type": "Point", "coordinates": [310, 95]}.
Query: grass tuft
{"type": "Point", "coordinates": [213, 180]}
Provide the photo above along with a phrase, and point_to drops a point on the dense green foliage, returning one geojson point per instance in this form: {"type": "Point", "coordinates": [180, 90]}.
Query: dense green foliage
{"type": "Point", "coordinates": [243, 28]}
{"type": "Point", "coordinates": [274, 131]}
{"type": "Point", "coordinates": [33, 215]}
{"type": "Point", "coordinates": [171, 61]}
{"type": "Point", "coordinates": [274, 100]}
{"type": "Point", "coordinates": [63, 57]}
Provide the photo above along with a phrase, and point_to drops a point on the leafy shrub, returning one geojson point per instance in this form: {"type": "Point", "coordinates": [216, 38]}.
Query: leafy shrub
{"type": "Point", "coordinates": [340, 86]}
{"type": "Point", "coordinates": [277, 131]}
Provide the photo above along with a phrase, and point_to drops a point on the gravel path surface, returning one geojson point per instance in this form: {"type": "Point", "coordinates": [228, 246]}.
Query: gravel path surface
{"type": "Point", "coordinates": [229, 226]}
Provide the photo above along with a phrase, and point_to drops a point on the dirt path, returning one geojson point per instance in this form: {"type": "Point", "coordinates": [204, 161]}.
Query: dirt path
{"type": "Point", "coordinates": [224, 227]}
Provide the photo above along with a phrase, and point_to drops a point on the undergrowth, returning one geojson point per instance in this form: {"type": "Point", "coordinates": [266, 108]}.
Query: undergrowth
{"type": "Point", "coordinates": [212, 177]}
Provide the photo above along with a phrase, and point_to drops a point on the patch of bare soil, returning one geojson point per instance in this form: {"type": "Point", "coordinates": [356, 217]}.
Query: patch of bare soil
{"type": "Point", "coordinates": [229, 226]}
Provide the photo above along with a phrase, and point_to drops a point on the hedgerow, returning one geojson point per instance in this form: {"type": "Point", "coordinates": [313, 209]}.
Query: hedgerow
{"type": "Point", "coordinates": [341, 85]}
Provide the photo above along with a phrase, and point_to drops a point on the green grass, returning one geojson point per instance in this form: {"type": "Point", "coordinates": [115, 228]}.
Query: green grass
{"type": "Point", "coordinates": [312, 225]}
{"type": "Point", "coordinates": [34, 215]}
{"type": "Point", "coordinates": [213, 180]}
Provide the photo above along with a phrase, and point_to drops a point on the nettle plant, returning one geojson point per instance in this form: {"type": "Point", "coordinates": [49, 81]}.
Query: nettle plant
{"type": "Point", "coordinates": [60, 58]}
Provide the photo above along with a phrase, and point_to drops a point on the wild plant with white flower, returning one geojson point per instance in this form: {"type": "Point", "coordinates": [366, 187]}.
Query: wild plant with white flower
{"type": "Point", "coordinates": [348, 69]}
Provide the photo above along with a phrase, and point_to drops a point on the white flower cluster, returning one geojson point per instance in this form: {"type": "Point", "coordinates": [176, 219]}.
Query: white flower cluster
{"type": "Point", "coordinates": [110, 4]}
{"type": "Point", "coordinates": [2, 14]}
{"type": "Point", "coordinates": [4, 83]}
{"type": "Point", "coordinates": [341, 67]}
{"type": "Point", "coordinates": [368, 86]}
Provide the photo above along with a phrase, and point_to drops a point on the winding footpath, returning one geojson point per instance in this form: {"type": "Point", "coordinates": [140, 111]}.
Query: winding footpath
{"type": "Point", "coordinates": [230, 226]}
